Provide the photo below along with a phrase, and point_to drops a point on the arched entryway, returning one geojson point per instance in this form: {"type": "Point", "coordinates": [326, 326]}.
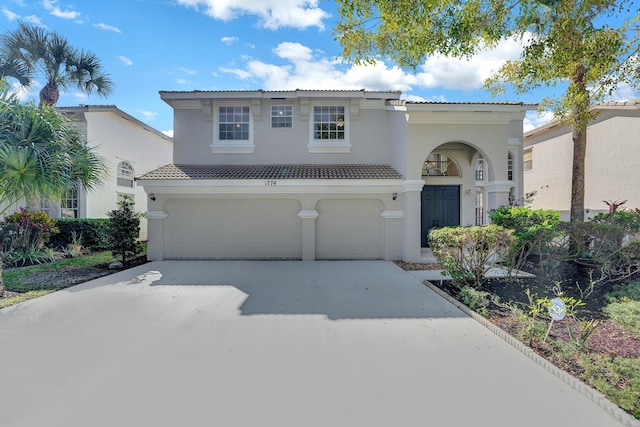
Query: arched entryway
{"type": "Point", "coordinates": [440, 197]}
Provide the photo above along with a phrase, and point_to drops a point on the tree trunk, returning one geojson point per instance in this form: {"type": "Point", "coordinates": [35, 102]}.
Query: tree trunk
{"type": "Point", "coordinates": [1, 283]}
{"type": "Point", "coordinates": [580, 116]}
{"type": "Point", "coordinates": [49, 94]}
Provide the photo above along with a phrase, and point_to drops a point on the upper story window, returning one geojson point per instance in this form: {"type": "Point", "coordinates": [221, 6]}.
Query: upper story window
{"type": "Point", "coordinates": [233, 123]}
{"type": "Point", "coordinates": [480, 169]}
{"type": "Point", "coordinates": [281, 116]}
{"type": "Point", "coordinates": [510, 167]}
{"type": "Point", "coordinates": [329, 128]}
{"type": "Point", "coordinates": [438, 164]}
{"type": "Point", "coordinates": [233, 128]}
{"type": "Point", "coordinates": [125, 175]}
{"type": "Point", "coordinates": [328, 122]}
{"type": "Point", "coordinates": [527, 159]}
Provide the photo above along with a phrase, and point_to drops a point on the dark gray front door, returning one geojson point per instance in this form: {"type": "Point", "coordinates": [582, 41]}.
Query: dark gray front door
{"type": "Point", "coordinates": [440, 208]}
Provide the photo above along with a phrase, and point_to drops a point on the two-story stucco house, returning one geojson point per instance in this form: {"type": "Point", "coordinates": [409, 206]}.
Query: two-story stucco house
{"type": "Point", "coordinates": [612, 156]}
{"type": "Point", "coordinates": [321, 174]}
{"type": "Point", "coordinates": [129, 146]}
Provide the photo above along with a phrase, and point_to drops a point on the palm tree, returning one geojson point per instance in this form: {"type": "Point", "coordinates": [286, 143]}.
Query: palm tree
{"type": "Point", "coordinates": [14, 68]}
{"type": "Point", "coordinates": [41, 154]}
{"type": "Point", "coordinates": [61, 64]}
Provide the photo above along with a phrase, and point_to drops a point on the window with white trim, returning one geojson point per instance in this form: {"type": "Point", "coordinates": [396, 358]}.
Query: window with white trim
{"type": "Point", "coordinates": [527, 159]}
{"type": "Point", "coordinates": [69, 203]}
{"type": "Point", "coordinates": [125, 175]}
{"type": "Point", "coordinates": [234, 123]}
{"type": "Point", "coordinates": [233, 129]}
{"type": "Point", "coordinates": [479, 206]}
{"type": "Point", "coordinates": [281, 116]}
{"type": "Point", "coordinates": [328, 122]}
{"type": "Point", "coordinates": [329, 128]}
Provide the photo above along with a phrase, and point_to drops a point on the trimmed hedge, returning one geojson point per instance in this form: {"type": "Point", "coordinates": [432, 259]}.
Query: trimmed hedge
{"type": "Point", "coordinates": [95, 232]}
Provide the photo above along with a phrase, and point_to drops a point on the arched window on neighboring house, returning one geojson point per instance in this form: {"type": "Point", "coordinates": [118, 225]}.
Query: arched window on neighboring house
{"type": "Point", "coordinates": [125, 175]}
{"type": "Point", "coordinates": [438, 164]}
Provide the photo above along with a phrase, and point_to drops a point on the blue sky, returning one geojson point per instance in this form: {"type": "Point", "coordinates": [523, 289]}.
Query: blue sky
{"type": "Point", "coordinates": [151, 45]}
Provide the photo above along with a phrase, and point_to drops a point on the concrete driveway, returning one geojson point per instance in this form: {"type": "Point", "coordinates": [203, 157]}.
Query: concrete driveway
{"type": "Point", "coordinates": [240, 343]}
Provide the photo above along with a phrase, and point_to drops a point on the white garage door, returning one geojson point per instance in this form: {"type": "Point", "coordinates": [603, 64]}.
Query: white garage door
{"type": "Point", "coordinates": [349, 229]}
{"type": "Point", "coordinates": [233, 229]}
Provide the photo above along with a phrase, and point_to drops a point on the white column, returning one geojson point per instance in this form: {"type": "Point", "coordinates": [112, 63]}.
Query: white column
{"type": "Point", "coordinates": [308, 234]}
{"type": "Point", "coordinates": [156, 235]}
{"type": "Point", "coordinates": [412, 209]}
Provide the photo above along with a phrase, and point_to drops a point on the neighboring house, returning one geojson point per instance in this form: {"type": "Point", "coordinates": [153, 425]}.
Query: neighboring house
{"type": "Point", "coordinates": [129, 146]}
{"type": "Point", "coordinates": [612, 156]}
{"type": "Point", "coordinates": [323, 174]}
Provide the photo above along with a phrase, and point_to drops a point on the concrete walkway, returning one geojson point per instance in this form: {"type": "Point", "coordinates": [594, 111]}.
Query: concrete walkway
{"type": "Point", "coordinates": [239, 343]}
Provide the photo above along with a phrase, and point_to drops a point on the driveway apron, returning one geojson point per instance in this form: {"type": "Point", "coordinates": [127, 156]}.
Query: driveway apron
{"type": "Point", "coordinates": [261, 343]}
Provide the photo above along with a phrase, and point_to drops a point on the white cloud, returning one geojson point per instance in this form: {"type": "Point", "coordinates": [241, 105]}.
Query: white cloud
{"type": "Point", "coordinates": [25, 93]}
{"type": "Point", "coordinates": [306, 69]}
{"type": "Point", "coordinates": [108, 28]}
{"type": "Point", "coordinates": [125, 60]}
{"type": "Point", "coordinates": [80, 96]}
{"type": "Point", "coordinates": [229, 40]}
{"type": "Point", "coordinates": [148, 115]}
{"type": "Point", "coordinates": [182, 81]}
{"type": "Point", "coordinates": [273, 14]}
{"type": "Point", "coordinates": [33, 19]}
{"type": "Point", "coordinates": [624, 92]}
{"type": "Point", "coordinates": [50, 6]}
{"type": "Point", "coordinates": [169, 133]}
{"type": "Point", "coordinates": [295, 52]}
{"type": "Point", "coordinates": [11, 16]}
{"type": "Point", "coordinates": [467, 74]}
{"type": "Point", "coordinates": [533, 120]}
{"type": "Point", "coordinates": [187, 71]}
{"type": "Point", "coordinates": [241, 74]}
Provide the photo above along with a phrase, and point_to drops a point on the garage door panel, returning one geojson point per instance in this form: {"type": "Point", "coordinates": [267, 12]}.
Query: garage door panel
{"type": "Point", "coordinates": [233, 229]}
{"type": "Point", "coordinates": [350, 229]}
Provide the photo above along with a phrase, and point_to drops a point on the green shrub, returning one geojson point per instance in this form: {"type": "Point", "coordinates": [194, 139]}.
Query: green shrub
{"type": "Point", "coordinates": [477, 300]}
{"type": "Point", "coordinates": [625, 313]}
{"type": "Point", "coordinates": [94, 231]}
{"type": "Point", "coordinates": [629, 290]}
{"type": "Point", "coordinates": [533, 231]}
{"type": "Point", "coordinates": [628, 220]}
{"type": "Point", "coordinates": [617, 378]}
{"type": "Point", "coordinates": [124, 229]}
{"type": "Point", "coordinates": [27, 230]}
{"type": "Point", "coordinates": [467, 253]}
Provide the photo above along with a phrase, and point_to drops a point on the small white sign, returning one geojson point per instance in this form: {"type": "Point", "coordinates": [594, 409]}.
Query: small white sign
{"type": "Point", "coordinates": [557, 309]}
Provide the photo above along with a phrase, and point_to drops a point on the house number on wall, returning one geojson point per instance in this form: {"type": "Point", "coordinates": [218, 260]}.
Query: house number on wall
{"type": "Point", "coordinates": [269, 183]}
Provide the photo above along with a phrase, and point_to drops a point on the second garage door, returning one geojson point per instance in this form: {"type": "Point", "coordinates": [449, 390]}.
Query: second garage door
{"type": "Point", "coordinates": [233, 229]}
{"type": "Point", "coordinates": [350, 229]}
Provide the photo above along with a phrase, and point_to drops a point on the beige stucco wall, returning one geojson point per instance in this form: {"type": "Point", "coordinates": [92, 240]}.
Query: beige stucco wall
{"type": "Point", "coordinates": [367, 127]}
{"type": "Point", "coordinates": [612, 159]}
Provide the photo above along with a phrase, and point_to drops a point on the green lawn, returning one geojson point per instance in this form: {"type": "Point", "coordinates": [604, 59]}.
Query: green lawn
{"type": "Point", "coordinates": [58, 274]}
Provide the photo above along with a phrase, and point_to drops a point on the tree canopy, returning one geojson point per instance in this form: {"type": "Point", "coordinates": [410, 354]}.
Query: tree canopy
{"type": "Point", "coordinates": [36, 50]}
{"type": "Point", "coordinates": [41, 152]}
{"type": "Point", "coordinates": [585, 43]}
